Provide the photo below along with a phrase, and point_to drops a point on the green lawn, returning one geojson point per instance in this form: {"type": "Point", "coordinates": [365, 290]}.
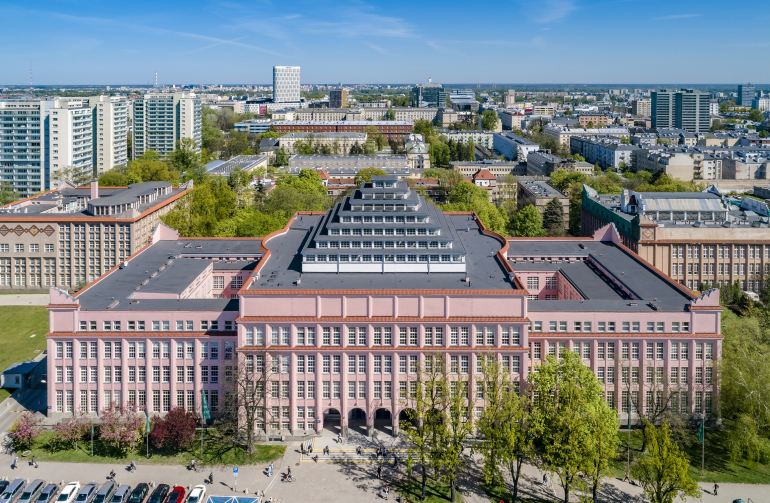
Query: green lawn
{"type": "Point", "coordinates": [718, 466]}
{"type": "Point", "coordinates": [17, 323]}
{"type": "Point", "coordinates": [215, 452]}
{"type": "Point", "coordinates": [410, 488]}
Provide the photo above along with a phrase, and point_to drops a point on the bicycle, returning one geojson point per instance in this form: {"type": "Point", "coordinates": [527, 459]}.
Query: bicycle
{"type": "Point", "coordinates": [288, 478]}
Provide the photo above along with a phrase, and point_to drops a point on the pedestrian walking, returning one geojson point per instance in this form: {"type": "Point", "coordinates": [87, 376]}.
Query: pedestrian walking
{"type": "Point", "coordinates": [545, 480]}
{"type": "Point", "coordinates": [395, 461]}
{"type": "Point", "coordinates": [34, 463]}
{"type": "Point", "coordinates": [379, 472]}
{"type": "Point", "coordinates": [133, 466]}
{"type": "Point", "coordinates": [15, 463]}
{"type": "Point", "coordinates": [211, 477]}
{"type": "Point", "coordinates": [339, 437]}
{"type": "Point", "coordinates": [627, 479]}
{"type": "Point", "coordinates": [192, 465]}
{"type": "Point", "coordinates": [716, 486]}
{"type": "Point", "coordinates": [471, 454]}
{"type": "Point", "coordinates": [315, 458]}
{"type": "Point", "coordinates": [387, 490]}
{"type": "Point", "coordinates": [112, 475]}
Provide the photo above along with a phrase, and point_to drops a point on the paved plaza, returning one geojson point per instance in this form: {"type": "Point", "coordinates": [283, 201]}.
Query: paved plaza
{"type": "Point", "coordinates": [342, 476]}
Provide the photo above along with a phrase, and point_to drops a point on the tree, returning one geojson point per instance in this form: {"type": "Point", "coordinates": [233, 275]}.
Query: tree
{"type": "Point", "coordinates": [247, 393]}
{"type": "Point", "coordinates": [489, 120]}
{"type": "Point", "coordinates": [423, 424]}
{"type": "Point", "coordinates": [756, 116]}
{"type": "Point", "coordinates": [553, 217]}
{"type": "Point", "coordinates": [505, 426]}
{"type": "Point", "coordinates": [566, 397]}
{"type": "Point", "coordinates": [356, 149]}
{"type": "Point", "coordinates": [370, 148]}
{"type": "Point", "coordinates": [466, 196]}
{"type": "Point", "coordinates": [151, 168]}
{"type": "Point", "coordinates": [7, 193]}
{"type": "Point", "coordinates": [601, 445]}
{"type": "Point", "coordinates": [365, 175]}
{"type": "Point", "coordinates": [281, 157]}
{"type": "Point", "coordinates": [625, 140]}
{"type": "Point", "coordinates": [26, 428]}
{"type": "Point", "coordinates": [80, 176]}
{"type": "Point", "coordinates": [248, 222]}
{"type": "Point", "coordinates": [73, 430]}
{"type": "Point", "coordinates": [662, 472]}
{"type": "Point", "coordinates": [527, 222]}
{"type": "Point", "coordinates": [199, 212]}
{"type": "Point", "coordinates": [176, 429]}
{"type": "Point", "coordinates": [113, 178]}
{"type": "Point", "coordinates": [424, 127]}
{"type": "Point", "coordinates": [561, 179]}
{"type": "Point", "coordinates": [120, 427]}
{"type": "Point", "coordinates": [724, 107]}
{"type": "Point", "coordinates": [439, 154]}
{"type": "Point", "coordinates": [390, 115]}
{"type": "Point", "coordinates": [373, 133]}
{"type": "Point", "coordinates": [471, 151]}
{"type": "Point", "coordinates": [185, 157]}
{"type": "Point", "coordinates": [457, 425]}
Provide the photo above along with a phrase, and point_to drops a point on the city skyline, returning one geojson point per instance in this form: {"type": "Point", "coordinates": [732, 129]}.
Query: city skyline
{"type": "Point", "coordinates": [218, 42]}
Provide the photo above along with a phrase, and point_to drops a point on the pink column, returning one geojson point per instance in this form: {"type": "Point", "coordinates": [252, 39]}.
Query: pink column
{"type": "Point", "coordinates": [293, 389]}
{"type": "Point", "coordinates": [319, 400]}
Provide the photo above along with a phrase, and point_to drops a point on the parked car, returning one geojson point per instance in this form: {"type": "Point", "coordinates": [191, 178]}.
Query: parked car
{"type": "Point", "coordinates": [3, 485]}
{"type": "Point", "coordinates": [13, 491]}
{"type": "Point", "coordinates": [87, 493]}
{"type": "Point", "coordinates": [69, 493]}
{"type": "Point", "coordinates": [197, 494]}
{"type": "Point", "coordinates": [139, 493]}
{"type": "Point", "coordinates": [177, 495]}
{"type": "Point", "coordinates": [121, 495]}
{"type": "Point", "coordinates": [104, 495]}
{"type": "Point", "coordinates": [31, 491]}
{"type": "Point", "coordinates": [48, 494]}
{"type": "Point", "coordinates": [159, 494]}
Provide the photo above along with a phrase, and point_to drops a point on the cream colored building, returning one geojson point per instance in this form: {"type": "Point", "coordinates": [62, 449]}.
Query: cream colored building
{"type": "Point", "coordinates": [162, 119]}
{"type": "Point", "coordinates": [71, 135]}
{"type": "Point", "coordinates": [110, 116]}
{"type": "Point", "coordinates": [563, 134]}
{"type": "Point", "coordinates": [338, 143]}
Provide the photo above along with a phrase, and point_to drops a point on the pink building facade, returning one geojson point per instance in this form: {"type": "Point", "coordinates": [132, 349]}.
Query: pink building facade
{"type": "Point", "coordinates": [340, 347]}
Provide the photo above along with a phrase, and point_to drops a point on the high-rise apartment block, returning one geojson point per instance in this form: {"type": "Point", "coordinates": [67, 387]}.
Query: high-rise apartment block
{"type": "Point", "coordinates": [286, 84]}
{"type": "Point", "coordinates": [509, 98]}
{"type": "Point", "coordinates": [641, 108]}
{"type": "Point", "coordinates": [686, 109]}
{"type": "Point", "coordinates": [162, 119]}
{"type": "Point", "coordinates": [24, 134]}
{"type": "Point", "coordinates": [110, 120]}
{"type": "Point", "coordinates": [745, 95]}
{"type": "Point", "coordinates": [71, 135]}
{"type": "Point", "coordinates": [338, 98]}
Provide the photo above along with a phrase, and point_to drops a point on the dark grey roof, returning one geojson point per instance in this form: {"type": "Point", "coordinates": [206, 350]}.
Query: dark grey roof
{"type": "Point", "coordinates": [283, 268]}
{"type": "Point", "coordinates": [646, 283]}
{"type": "Point", "coordinates": [129, 195]}
{"type": "Point", "coordinates": [181, 262]}
{"type": "Point", "coordinates": [541, 189]}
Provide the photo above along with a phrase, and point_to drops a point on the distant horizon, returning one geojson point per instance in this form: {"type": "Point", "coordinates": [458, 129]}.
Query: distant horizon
{"type": "Point", "coordinates": [449, 84]}
{"type": "Point", "coordinates": [80, 41]}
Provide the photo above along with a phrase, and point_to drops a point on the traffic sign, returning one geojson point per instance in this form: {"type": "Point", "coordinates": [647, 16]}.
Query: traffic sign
{"type": "Point", "coordinates": [235, 471]}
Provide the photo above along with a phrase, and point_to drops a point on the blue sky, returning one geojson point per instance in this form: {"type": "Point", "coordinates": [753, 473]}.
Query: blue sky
{"type": "Point", "coordinates": [71, 42]}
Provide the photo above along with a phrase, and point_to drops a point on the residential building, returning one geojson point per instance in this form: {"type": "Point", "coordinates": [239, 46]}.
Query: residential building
{"type": "Point", "coordinates": [543, 110]}
{"type": "Point", "coordinates": [542, 163]}
{"type": "Point", "coordinates": [539, 194]}
{"type": "Point", "coordinates": [606, 152]}
{"type": "Point", "coordinates": [411, 114]}
{"type": "Point", "coordinates": [160, 120]}
{"type": "Point", "coordinates": [375, 104]}
{"type": "Point", "coordinates": [693, 237]}
{"type": "Point", "coordinates": [509, 98]}
{"type": "Point", "coordinates": [686, 109]}
{"type": "Point", "coordinates": [391, 130]}
{"type": "Point", "coordinates": [513, 147]}
{"type": "Point", "coordinates": [447, 116]}
{"type": "Point", "coordinates": [110, 131]}
{"type": "Point", "coordinates": [346, 340]}
{"type": "Point", "coordinates": [746, 166]}
{"type": "Point", "coordinates": [641, 108]}
{"type": "Point", "coordinates": [71, 134]}
{"type": "Point", "coordinates": [562, 134]}
{"type": "Point", "coordinates": [337, 166]}
{"type": "Point", "coordinates": [338, 98]}
{"type": "Point", "coordinates": [679, 162]}
{"type": "Point", "coordinates": [761, 103]}
{"type": "Point", "coordinates": [24, 161]}
{"type": "Point", "coordinates": [714, 107]}
{"type": "Point", "coordinates": [663, 106]}
{"type": "Point", "coordinates": [71, 235]}
{"type": "Point", "coordinates": [483, 138]}
{"type": "Point", "coordinates": [512, 119]}
{"type": "Point", "coordinates": [594, 119]}
{"type": "Point", "coordinates": [428, 95]}
{"type": "Point", "coordinates": [336, 144]}
{"type": "Point", "coordinates": [746, 94]}
{"type": "Point", "coordinates": [286, 84]}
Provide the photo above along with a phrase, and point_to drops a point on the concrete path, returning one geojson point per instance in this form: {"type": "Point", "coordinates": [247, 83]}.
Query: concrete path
{"type": "Point", "coordinates": [25, 299]}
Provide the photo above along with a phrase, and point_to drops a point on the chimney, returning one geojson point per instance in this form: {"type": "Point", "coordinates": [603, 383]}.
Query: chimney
{"type": "Point", "coordinates": [94, 189]}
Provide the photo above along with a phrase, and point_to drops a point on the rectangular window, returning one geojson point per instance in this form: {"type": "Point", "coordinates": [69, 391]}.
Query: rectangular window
{"type": "Point", "coordinates": [600, 351]}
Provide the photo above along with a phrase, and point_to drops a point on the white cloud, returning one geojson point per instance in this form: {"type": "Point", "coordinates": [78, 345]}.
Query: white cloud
{"type": "Point", "coordinates": [549, 11]}
{"type": "Point", "coordinates": [676, 16]}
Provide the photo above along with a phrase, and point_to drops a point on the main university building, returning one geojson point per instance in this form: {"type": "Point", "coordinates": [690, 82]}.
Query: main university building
{"type": "Point", "coordinates": [346, 304]}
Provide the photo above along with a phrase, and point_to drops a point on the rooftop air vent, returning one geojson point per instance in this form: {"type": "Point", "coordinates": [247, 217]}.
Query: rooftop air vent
{"type": "Point", "coordinates": [113, 304]}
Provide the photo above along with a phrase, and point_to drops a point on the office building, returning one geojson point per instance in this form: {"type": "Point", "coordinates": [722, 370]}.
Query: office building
{"type": "Point", "coordinates": [24, 160]}
{"type": "Point", "coordinates": [254, 126]}
{"type": "Point", "coordinates": [428, 96]}
{"type": "Point", "coordinates": [69, 236]}
{"type": "Point", "coordinates": [746, 93]}
{"type": "Point", "coordinates": [71, 133]}
{"type": "Point", "coordinates": [663, 104]}
{"type": "Point", "coordinates": [338, 98]}
{"type": "Point", "coordinates": [761, 103]}
{"type": "Point", "coordinates": [347, 340]}
{"type": "Point", "coordinates": [286, 84]}
{"type": "Point", "coordinates": [606, 152]}
{"type": "Point", "coordinates": [162, 119]}
{"type": "Point", "coordinates": [110, 132]}
{"type": "Point", "coordinates": [692, 112]}
{"type": "Point", "coordinates": [693, 237]}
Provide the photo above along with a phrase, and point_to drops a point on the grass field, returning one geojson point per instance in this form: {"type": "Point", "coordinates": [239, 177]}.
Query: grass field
{"type": "Point", "coordinates": [17, 323]}
{"type": "Point", "coordinates": [215, 452]}
{"type": "Point", "coordinates": [718, 466]}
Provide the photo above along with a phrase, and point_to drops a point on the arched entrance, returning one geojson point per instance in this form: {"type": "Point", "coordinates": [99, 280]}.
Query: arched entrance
{"type": "Point", "coordinates": [357, 420]}
{"type": "Point", "coordinates": [383, 421]}
{"type": "Point", "coordinates": [408, 415]}
{"type": "Point", "coordinates": [333, 421]}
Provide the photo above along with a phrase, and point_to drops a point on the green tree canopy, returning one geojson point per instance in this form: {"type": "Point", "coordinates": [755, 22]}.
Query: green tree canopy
{"type": "Point", "coordinates": [527, 222]}
{"type": "Point", "coordinates": [198, 213]}
{"type": "Point", "coordinates": [489, 119]}
{"type": "Point", "coordinates": [7, 193]}
{"type": "Point", "coordinates": [553, 218]}
{"type": "Point", "coordinates": [113, 178]}
{"type": "Point", "coordinates": [281, 157]}
{"type": "Point", "coordinates": [248, 223]}
{"type": "Point", "coordinates": [151, 168]}
{"type": "Point", "coordinates": [365, 175]}
{"type": "Point", "coordinates": [561, 179]}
